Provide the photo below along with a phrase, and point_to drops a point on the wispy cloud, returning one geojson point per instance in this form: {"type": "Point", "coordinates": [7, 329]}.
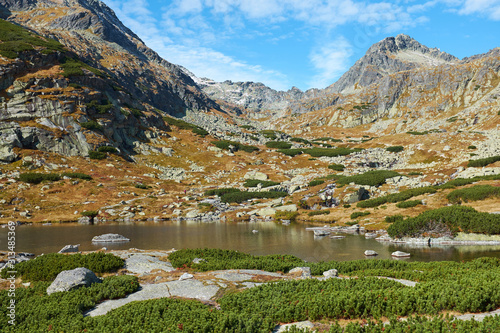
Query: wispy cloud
{"type": "Point", "coordinates": [488, 8]}
{"type": "Point", "coordinates": [330, 62]}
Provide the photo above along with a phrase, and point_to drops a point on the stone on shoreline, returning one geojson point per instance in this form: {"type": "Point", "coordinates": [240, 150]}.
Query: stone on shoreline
{"type": "Point", "coordinates": [369, 253]}
{"type": "Point", "coordinates": [69, 248]}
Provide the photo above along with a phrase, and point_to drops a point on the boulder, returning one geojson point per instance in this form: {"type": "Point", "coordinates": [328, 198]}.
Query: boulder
{"type": "Point", "coordinates": [330, 273]}
{"type": "Point", "coordinates": [75, 278]}
{"type": "Point", "coordinates": [400, 254]}
{"type": "Point", "coordinates": [69, 248]}
{"type": "Point", "coordinates": [255, 175]}
{"type": "Point", "coordinates": [303, 272]}
{"type": "Point", "coordinates": [370, 253]}
{"type": "Point", "coordinates": [268, 211]}
{"type": "Point", "coordinates": [186, 276]}
{"type": "Point", "coordinates": [108, 238]}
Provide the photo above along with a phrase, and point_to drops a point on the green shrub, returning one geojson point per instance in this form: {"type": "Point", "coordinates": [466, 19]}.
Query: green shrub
{"type": "Point", "coordinates": [278, 144]}
{"type": "Point", "coordinates": [474, 193]}
{"type": "Point", "coordinates": [396, 197]}
{"type": "Point", "coordinates": [371, 178]}
{"type": "Point", "coordinates": [217, 259]}
{"type": "Point", "coordinates": [316, 182]}
{"type": "Point", "coordinates": [418, 133]}
{"type": "Point", "coordinates": [78, 175]}
{"type": "Point", "coordinates": [90, 213]}
{"type": "Point", "coordinates": [415, 173]}
{"type": "Point", "coordinates": [301, 140]}
{"type": "Point", "coordinates": [91, 125]}
{"type": "Point", "coordinates": [282, 215]}
{"type": "Point", "coordinates": [247, 127]}
{"type": "Point", "coordinates": [263, 183]}
{"type": "Point", "coordinates": [181, 124]}
{"type": "Point", "coordinates": [16, 39]}
{"type": "Point", "coordinates": [101, 107]}
{"type": "Point", "coordinates": [319, 212]}
{"type": "Point", "coordinates": [355, 215]}
{"type": "Point", "coordinates": [446, 219]}
{"type": "Point", "coordinates": [395, 149]}
{"type": "Point", "coordinates": [409, 204]}
{"type": "Point", "coordinates": [107, 149]}
{"type": "Point", "coordinates": [291, 152]}
{"type": "Point", "coordinates": [347, 206]}
{"type": "Point", "coordinates": [336, 167]}
{"type": "Point", "coordinates": [73, 67]}
{"type": "Point", "coordinates": [46, 267]}
{"type": "Point", "coordinates": [37, 178]}
{"type": "Point", "coordinates": [271, 134]}
{"type": "Point", "coordinates": [225, 144]}
{"type": "Point", "coordinates": [394, 218]}
{"type": "Point", "coordinates": [483, 161]}
{"type": "Point", "coordinates": [239, 197]}
{"type": "Point", "coordinates": [142, 186]}
{"type": "Point", "coordinates": [221, 191]}
{"type": "Point", "coordinates": [327, 139]}
{"type": "Point", "coordinates": [97, 155]}
{"type": "Point", "coordinates": [471, 147]}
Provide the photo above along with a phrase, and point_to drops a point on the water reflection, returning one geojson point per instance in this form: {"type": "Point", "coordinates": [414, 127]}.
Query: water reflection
{"type": "Point", "coordinates": [272, 238]}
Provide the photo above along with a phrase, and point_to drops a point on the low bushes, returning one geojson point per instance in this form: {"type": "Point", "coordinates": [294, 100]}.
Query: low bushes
{"type": "Point", "coordinates": [446, 220]}
{"type": "Point", "coordinates": [221, 191]}
{"type": "Point", "coordinates": [396, 197]}
{"type": "Point", "coordinates": [319, 152]}
{"type": "Point", "coordinates": [240, 196]}
{"type": "Point", "coordinates": [394, 218]}
{"type": "Point", "coordinates": [283, 215]}
{"type": "Point", "coordinates": [319, 212]}
{"type": "Point", "coordinates": [37, 178]}
{"type": "Point", "coordinates": [336, 167]}
{"type": "Point", "coordinates": [97, 155]}
{"type": "Point", "coordinates": [474, 193]}
{"type": "Point", "coordinates": [181, 124]}
{"type": "Point", "coordinates": [91, 125]}
{"type": "Point", "coordinates": [355, 215]}
{"type": "Point", "coordinates": [395, 149]}
{"type": "Point", "coordinates": [483, 161]}
{"type": "Point", "coordinates": [371, 178]}
{"type": "Point", "coordinates": [256, 182]}
{"type": "Point", "coordinates": [278, 144]}
{"type": "Point", "coordinates": [107, 149]}
{"type": "Point", "coordinates": [409, 204]}
{"type": "Point", "coordinates": [225, 144]}
{"type": "Point", "coordinates": [316, 182]}
{"type": "Point", "coordinates": [46, 267]}
{"type": "Point", "coordinates": [218, 259]}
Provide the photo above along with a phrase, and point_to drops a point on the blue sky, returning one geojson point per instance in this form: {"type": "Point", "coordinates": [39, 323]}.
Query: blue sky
{"type": "Point", "coordinates": [302, 43]}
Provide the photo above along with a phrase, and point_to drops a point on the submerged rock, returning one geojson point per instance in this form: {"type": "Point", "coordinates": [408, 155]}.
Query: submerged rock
{"type": "Point", "coordinates": [75, 278]}
{"type": "Point", "coordinates": [369, 253]}
{"type": "Point", "coordinates": [110, 238]}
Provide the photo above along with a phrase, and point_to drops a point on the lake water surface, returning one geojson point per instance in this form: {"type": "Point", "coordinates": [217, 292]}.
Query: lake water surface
{"type": "Point", "coordinates": [272, 238]}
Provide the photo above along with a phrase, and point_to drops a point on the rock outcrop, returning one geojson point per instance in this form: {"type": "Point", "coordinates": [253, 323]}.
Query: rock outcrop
{"type": "Point", "coordinates": [67, 280]}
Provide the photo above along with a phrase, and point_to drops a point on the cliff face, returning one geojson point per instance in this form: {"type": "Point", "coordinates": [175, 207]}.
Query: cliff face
{"type": "Point", "coordinates": [92, 30]}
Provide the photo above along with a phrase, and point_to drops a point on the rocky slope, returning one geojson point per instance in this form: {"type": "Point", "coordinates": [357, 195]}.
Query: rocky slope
{"type": "Point", "coordinates": [92, 30]}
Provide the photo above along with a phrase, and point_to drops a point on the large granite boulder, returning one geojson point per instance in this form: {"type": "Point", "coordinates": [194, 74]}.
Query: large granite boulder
{"type": "Point", "coordinates": [110, 238]}
{"type": "Point", "coordinates": [75, 278]}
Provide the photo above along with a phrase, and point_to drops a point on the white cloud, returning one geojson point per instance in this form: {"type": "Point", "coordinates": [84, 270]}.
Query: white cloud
{"type": "Point", "coordinates": [489, 8]}
{"type": "Point", "coordinates": [330, 61]}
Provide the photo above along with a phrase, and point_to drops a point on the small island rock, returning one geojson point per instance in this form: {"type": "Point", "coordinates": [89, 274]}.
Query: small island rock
{"type": "Point", "coordinates": [110, 238]}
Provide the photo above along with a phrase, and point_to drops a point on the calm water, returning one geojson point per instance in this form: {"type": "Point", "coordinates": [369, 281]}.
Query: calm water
{"type": "Point", "coordinates": [272, 238]}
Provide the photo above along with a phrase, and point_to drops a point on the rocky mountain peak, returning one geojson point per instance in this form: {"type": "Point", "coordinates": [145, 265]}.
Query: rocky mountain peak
{"type": "Point", "coordinates": [390, 55]}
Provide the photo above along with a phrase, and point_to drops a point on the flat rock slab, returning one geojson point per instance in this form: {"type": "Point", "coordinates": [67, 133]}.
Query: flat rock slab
{"type": "Point", "coordinates": [186, 288]}
{"type": "Point", "coordinates": [402, 281]}
{"type": "Point", "coordinates": [234, 276]}
{"type": "Point", "coordinates": [192, 289]}
{"type": "Point", "coordinates": [150, 291]}
{"type": "Point", "coordinates": [301, 324]}
{"type": "Point", "coordinates": [143, 263]}
{"type": "Point", "coordinates": [478, 316]}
